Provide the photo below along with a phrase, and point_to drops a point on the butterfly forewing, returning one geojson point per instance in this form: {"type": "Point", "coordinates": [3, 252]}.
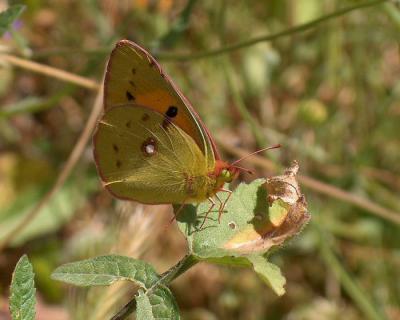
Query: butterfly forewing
{"type": "Point", "coordinates": [133, 76]}
{"type": "Point", "coordinates": [143, 156]}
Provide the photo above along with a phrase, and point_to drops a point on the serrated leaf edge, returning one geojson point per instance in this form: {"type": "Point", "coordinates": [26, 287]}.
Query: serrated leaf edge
{"type": "Point", "coordinates": [62, 274]}
{"type": "Point", "coordinates": [22, 291]}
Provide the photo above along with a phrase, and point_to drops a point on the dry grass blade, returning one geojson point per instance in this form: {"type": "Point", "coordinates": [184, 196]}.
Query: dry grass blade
{"type": "Point", "coordinates": [51, 72]}
{"type": "Point", "coordinates": [321, 187]}
{"type": "Point", "coordinates": [384, 176]}
{"type": "Point", "coordinates": [64, 174]}
{"type": "Point", "coordinates": [358, 201]}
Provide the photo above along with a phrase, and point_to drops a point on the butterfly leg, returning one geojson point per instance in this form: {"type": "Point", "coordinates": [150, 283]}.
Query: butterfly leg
{"type": "Point", "coordinates": [223, 204]}
{"type": "Point", "coordinates": [209, 210]}
{"type": "Point", "coordinates": [175, 216]}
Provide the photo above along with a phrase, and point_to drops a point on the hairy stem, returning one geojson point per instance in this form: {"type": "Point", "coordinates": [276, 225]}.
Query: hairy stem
{"type": "Point", "coordinates": [182, 266]}
{"type": "Point", "coordinates": [166, 278]}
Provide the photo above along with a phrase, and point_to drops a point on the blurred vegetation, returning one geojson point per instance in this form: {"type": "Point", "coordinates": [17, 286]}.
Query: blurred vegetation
{"type": "Point", "coordinates": [329, 94]}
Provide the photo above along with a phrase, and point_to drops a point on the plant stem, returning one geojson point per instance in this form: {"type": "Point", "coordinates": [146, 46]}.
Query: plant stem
{"type": "Point", "coordinates": [319, 186]}
{"type": "Point", "coordinates": [183, 265]}
{"type": "Point", "coordinates": [269, 37]}
{"type": "Point", "coordinates": [125, 311]}
{"type": "Point", "coordinates": [51, 72]}
{"type": "Point", "coordinates": [69, 165]}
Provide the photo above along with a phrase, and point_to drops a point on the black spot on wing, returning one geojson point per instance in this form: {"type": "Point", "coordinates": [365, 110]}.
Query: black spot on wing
{"type": "Point", "coordinates": [115, 147]}
{"type": "Point", "coordinates": [128, 124]}
{"type": "Point", "coordinates": [172, 112]}
{"type": "Point", "coordinates": [129, 96]}
{"type": "Point", "coordinates": [145, 117]}
{"type": "Point", "coordinates": [118, 163]}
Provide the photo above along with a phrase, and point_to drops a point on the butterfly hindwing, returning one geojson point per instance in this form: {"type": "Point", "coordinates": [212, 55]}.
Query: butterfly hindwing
{"type": "Point", "coordinates": [140, 154]}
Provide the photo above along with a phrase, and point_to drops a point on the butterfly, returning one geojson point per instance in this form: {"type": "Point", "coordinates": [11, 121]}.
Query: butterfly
{"type": "Point", "coordinates": [151, 145]}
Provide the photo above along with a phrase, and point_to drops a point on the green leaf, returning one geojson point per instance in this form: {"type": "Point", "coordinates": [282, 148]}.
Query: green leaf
{"type": "Point", "coordinates": [156, 304]}
{"type": "Point", "coordinates": [270, 273]}
{"type": "Point", "coordinates": [245, 233]}
{"type": "Point", "coordinates": [246, 208]}
{"type": "Point", "coordinates": [22, 291]}
{"type": "Point", "coordinates": [8, 16]}
{"type": "Point", "coordinates": [105, 270]}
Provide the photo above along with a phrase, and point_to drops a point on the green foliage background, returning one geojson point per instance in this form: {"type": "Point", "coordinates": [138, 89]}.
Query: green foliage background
{"type": "Point", "coordinates": [329, 95]}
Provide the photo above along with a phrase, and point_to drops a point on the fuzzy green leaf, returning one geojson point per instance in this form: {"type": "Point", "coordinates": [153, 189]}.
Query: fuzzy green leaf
{"type": "Point", "coordinates": [157, 304]}
{"type": "Point", "coordinates": [245, 208]}
{"type": "Point", "coordinates": [105, 270]}
{"type": "Point", "coordinates": [245, 233]}
{"type": "Point", "coordinates": [8, 16]}
{"type": "Point", "coordinates": [270, 273]}
{"type": "Point", "coordinates": [22, 291]}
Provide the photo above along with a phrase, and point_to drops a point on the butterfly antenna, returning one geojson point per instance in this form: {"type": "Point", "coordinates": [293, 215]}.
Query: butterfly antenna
{"type": "Point", "coordinates": [244, 169]}
{"type": "Point", "coordinates": [253, 153]}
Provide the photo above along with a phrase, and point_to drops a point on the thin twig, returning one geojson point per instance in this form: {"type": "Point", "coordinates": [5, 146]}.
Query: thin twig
{"type": "Point", "coordinates": [51, 72]}
{"type": "Point", "coordinates": [100, 51]}
{"type": "Point", "coordinates": [64, 174]}
{"type": "Point", "coordinates": [382, 175]}
{"type": "Point", "coordinates": [187, 56]}
{"type": "Point", "coordinates": [321, 187]}
{"type": "Point", "coordinates": [269, 37]}
{"type": "Point", "coordinates": [356, 200]}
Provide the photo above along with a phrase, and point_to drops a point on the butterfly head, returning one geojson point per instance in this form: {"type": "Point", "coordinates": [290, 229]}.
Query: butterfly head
{"type": "Point", "coordinates": [225, 173]}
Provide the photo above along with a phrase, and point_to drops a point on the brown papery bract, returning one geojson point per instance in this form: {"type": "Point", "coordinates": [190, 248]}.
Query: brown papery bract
{"type": "Point", "coordinates": [287, 215]}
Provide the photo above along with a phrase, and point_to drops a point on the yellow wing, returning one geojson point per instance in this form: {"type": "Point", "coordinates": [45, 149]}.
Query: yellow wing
{"type": "Point", "coordinates": [134, 76]}
{"type": "Point", "coordinates": [143, 156]}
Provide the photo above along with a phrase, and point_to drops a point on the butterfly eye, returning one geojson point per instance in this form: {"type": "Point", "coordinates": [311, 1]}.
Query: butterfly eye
{"type": "Point", "coordinates": [225, 173]}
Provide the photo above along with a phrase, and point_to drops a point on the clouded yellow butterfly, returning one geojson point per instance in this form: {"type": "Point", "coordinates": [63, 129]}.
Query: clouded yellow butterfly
{"type": "Point", "coordinates": [150, 145]}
